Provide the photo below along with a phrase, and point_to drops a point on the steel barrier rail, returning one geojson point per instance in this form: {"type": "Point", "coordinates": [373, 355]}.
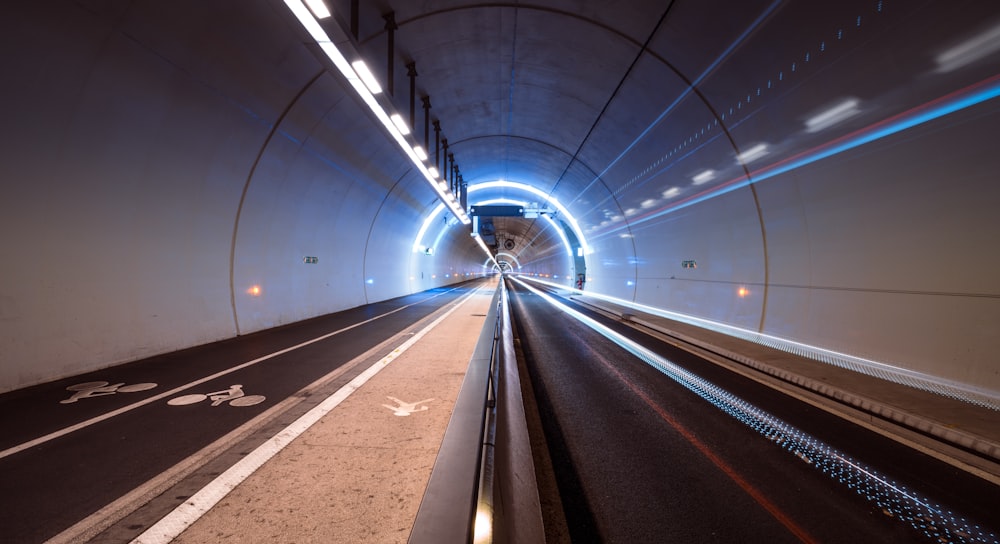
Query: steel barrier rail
{"type": "Point", "coordinates": [448, 510]}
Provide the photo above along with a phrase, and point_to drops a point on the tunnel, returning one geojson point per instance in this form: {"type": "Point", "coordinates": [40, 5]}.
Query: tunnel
{"type": "Point", "coordinates": [823, 174]}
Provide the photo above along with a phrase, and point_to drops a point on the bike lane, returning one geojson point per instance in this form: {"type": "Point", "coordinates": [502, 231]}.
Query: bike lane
{"type": "Point", "coordinates": [55, 483]}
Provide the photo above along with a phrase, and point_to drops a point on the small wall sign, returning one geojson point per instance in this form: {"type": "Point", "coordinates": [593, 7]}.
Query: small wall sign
{"type": "Point", "coordinates": [689, 264]}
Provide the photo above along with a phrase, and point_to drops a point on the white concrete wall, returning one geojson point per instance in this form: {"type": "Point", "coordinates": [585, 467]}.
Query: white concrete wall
{"type": "Point", "coordinates": [160, 160]}
{"type": "Point", "coordinates": [886, 250]}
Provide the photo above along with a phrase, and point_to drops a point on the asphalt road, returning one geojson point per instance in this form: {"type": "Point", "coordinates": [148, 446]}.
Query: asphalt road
{"type": "Point", "coordinates": [49, 483]}
{"type": "Point", "coordinates": [640, 458]}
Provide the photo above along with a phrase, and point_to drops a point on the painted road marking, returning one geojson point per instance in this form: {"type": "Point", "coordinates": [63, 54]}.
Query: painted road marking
{"type": "Point", "coordinates": [406, 408]}
{"type": "Point", "coordinates": [99, 389]}
{"type": "Point", "coordinates": [234, 394]}
{"type": "Point", "coordinates": [182, 517]}
{"type": "Point", "coordinates": [84, 424]}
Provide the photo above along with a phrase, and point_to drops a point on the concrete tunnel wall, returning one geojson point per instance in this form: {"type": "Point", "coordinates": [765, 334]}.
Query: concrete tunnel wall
{"type": "Point", "coordinates": [159, 165]}
{"type": "Point", "coordinates": [885, 250]}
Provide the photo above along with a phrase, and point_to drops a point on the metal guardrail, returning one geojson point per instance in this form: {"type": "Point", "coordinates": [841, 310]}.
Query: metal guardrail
{"type": "Point", "coordinates": [459, 493]}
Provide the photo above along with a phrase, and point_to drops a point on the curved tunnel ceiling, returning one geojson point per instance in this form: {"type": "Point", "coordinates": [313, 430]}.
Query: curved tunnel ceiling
{"type": "Point", "coordinates": [593, 106]}
{"type": "Point", "coordinates": [522, 91]}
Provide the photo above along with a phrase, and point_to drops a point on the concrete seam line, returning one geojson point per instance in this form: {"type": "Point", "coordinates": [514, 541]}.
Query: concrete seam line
{"type": "Point", "coordinates": [182, 517]}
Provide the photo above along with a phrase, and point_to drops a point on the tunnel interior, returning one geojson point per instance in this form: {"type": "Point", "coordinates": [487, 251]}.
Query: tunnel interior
{"type": "Point", "coordinates": [177, 174]}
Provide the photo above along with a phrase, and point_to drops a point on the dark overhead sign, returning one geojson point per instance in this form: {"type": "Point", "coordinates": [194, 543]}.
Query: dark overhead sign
{"type": "Point", "coordinates": [497, 211]}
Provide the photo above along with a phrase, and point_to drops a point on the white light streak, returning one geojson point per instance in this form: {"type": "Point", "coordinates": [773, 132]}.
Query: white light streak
{"type": "Point", "coordinates": [977, 47]}
{"type": "Point", "coordinates": [704, 177]}
{"type": "Point", "coordinates": [935, 522]}
{"type": "Point", "coordinates": [562, 235]}
{"type": "Point", "coordinates": [486, 250]}
{"type": "Point", "coordinates": [842, 111]}
{"type": "Point", "coordinates": [753, 153]}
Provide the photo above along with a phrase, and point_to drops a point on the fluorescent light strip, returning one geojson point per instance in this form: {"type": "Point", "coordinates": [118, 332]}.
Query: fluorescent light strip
{"type": "Point", "coordinates": [340, 62]}
{"type": "Point", "coordinates": [400, 123]}
{"type": "Point", "coordinates": [366, 76]}
{"type": "Point", "coordinates": [319, 9]}
{"type": "Point", "coordinates": [482, 244]}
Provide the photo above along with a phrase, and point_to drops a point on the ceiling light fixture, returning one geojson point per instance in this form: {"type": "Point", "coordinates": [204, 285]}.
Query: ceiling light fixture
{"type": "Point", "coordinates": [482, 244]}
{"type": "Point", "coordinates": [397, 120]}
{"type": "Point", "coordinates": [319, 9]}
{"type": "Point", "coordinates": [398, 133]}
{"type": "Point", "coordinates": [366, 76]}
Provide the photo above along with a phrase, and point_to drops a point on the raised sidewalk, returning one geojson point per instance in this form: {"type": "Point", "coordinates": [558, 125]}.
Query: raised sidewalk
{"type": "Point", "coordinates": [358, 473]}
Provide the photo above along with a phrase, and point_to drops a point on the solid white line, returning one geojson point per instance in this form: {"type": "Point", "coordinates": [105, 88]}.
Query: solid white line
{"type": "Point", "coordinates": [182, 517]}
{"type": "Point", "coordinates": [83, 424]}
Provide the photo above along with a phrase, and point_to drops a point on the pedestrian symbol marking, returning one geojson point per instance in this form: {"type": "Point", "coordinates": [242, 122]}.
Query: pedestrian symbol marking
{"type": "Point", "coordinates": [403, 409]}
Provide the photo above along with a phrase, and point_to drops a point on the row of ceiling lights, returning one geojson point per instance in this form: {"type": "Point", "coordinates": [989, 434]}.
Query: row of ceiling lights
{"type": "Point", "coordinates": [366, 85]}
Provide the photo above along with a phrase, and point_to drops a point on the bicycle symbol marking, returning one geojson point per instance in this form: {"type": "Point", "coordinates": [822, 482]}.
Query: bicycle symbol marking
{"type": "Point", "coordinates": [234, 395]}
{"type": "Point", "coordinates": [99, 389]}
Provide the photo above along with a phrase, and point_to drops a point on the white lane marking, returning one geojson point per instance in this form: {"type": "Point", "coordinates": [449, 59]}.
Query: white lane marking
{"type": "Point", "coordinates": [182, 517]}
{"type": "Point", "coordinates": [87, 528]}
{"type": "Point", "coordinates": [84, 424]}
